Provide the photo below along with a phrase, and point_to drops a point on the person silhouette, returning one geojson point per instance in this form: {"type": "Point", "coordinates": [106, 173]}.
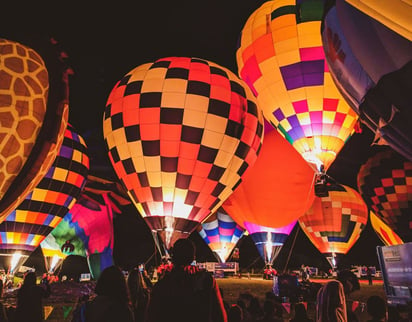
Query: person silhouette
{"type": "Point", "coordinates": [301, 314]}
{"type": "Point", "coordinates": [186, 293]}
{"type": "Point", "coordinates": [112, 301]}
{"type": "Point", "coordinates": [376, 308]}
{"type": "Point", "coordinates": [139, 290]}
{"type": "Point", "coordinates": [331, 303]}
{"type": "Point", "coordinates": [30, 297]}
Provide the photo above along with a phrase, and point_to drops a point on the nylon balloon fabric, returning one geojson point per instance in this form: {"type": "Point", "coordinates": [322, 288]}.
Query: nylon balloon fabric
{"type": "Point", "coordinates": [384, 232]}
{"type": "Point", "coordinates": [385, 183]}
{"type": "Point", "coordinates": [371, 64]}
{"type": "Point", "coordinates": [334, 223]}
{"type": "Point", "coordinates": [180, 134]}
{"type": "Point", "coordinates": [281, 58]}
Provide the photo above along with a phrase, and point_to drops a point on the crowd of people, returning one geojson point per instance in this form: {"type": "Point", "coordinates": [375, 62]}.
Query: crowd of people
{"type": "Point", "coordinates": [184, 292]}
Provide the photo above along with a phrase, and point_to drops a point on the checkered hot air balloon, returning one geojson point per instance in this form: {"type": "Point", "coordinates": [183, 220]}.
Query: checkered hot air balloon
{"type": "Point", "coordinates": [180, 134]}
{"type": "Point", "coordinates": [281, 58]}
{"type": "Point", "coordinates": [385, 183]}
{"type": "Point", "coordinates": [221, 233]}
{"type": "Point", "coordinates": [384, 232]}
{"type": "Point", "coordinates": [334, 223]}
{"type": "Point", "coordinates": [43, 209]}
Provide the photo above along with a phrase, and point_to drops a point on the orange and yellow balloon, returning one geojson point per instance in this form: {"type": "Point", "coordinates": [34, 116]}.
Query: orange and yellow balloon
{"type": "Point", "coordinates": [384, 232]}
{"type": "Point", "coordinates": [334, 223]}
{"type": "Point", "coordinates": [281, 58]}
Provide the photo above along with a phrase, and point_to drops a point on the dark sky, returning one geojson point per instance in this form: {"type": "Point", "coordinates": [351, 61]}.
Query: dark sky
{"type": "Point", "coordinates": [104, 43]}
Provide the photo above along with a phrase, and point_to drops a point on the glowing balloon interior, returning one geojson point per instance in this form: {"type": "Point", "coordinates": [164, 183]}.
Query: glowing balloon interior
{"type": "Point", "coordinates": [180, 134]}
{"type": "Point", "coordinates": [221, 233]}
{"type": "Point", "coordinates": [334, 223]}
{"type": "Point", "coordinates": [281, 58]}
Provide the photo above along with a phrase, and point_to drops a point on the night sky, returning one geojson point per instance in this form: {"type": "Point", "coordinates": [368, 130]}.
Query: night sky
{"type": "Point", "coordinates": [104, 43]}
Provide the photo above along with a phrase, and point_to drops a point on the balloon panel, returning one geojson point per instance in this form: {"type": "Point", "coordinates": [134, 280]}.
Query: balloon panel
{"type": "Point", "coordinates": [277, 190]}
{"type": "Point", "coordinates": [384, 232]}
{"type": "Point", "coordinates": [334, 223]}
{"type": "Point", "coordinates": [180, 133]}
{"type": "Point", "coordinates": [385, 183]}
{"type": "Point", "coordinates": [48, 203]}
{"type": "Point", "coordinates": [281, 58]}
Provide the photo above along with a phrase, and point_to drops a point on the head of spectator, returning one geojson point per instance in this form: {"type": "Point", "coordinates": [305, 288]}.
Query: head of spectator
{"type": "Point", "coordinates": [331, 303]}
{"type": "Point", "coordinates": [183, 252]}
{"type": "Point", "coordinates": [235, 313]}
{"type": "Point", "coordinates": [112, 283]}
{"type": "Point", "coordinates": [376, 307]}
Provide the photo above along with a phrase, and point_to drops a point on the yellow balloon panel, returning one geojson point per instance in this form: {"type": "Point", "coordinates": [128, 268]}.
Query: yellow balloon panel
{"type": "Point", "coordinates": [384, 232]}
{"type": "Point", "coordinates": [282, 60]}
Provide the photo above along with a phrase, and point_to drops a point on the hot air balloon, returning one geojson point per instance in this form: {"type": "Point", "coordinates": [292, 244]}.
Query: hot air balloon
{"type": "Point", "coordinates": [334, 223]}
{"type": "Point", "coordinates": [273, 194]}
{"type": "Point", "coordinates": [88, 226]}
{"type": "Point", "coordinates": [385, 183]}
{"type": "Point", "coordinates": [44, 207]}
{"type": "Point", "coordinates": [33, 121]}
{"type": "Point", "coordinates": [269, 241]}
{"type": "Point", "coordinates": [281, 58]}
{"type": "Point", "coordinates": [180, 134]}
{"type": "Point", "coordinates": [384, 232]}
{"type": "Point", "coordinates": [53, 256]}
{"type": "Point", "coordinates": [221, 233]}
{"type": "Point", "coordinates": [370, 60]}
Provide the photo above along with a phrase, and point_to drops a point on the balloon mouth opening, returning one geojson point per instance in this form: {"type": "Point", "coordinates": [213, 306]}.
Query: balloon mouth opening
{"type": "Point", "coordinates": [312, 157]}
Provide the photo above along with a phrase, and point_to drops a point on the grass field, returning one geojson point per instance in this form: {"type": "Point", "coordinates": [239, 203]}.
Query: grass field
{"type": "Point", "coordinates": [232, 287]}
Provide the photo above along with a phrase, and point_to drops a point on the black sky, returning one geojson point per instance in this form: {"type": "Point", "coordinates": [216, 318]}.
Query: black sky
{"type": "Point", "coordinates": [105, 42]}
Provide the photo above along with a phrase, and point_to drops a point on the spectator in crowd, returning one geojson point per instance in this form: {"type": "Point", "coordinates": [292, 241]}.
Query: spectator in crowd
{"type": "Point", "coordinates": [30, 297]}
{"type": "Point", "coordinates": [331, 303]}
{"type": "Point", "coordinates": [139, 291]}
{"type": "Point", "coordinates": [376, 307]}
{"type": "Point", "coordinates": [235, 313]}
{"type": "Point", "coordinates": [186, 293]}
{"type": "Point", "coordinates": [112, 300]}
{"type": "Point", "coordinates": [301, 314]}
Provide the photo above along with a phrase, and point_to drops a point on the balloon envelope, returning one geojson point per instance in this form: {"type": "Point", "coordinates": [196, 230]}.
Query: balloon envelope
{"type": "Point", "coordinates": [221, 233]}
{"type": "Point", "coordinates": [385, 183]}
{"type": "Point", "coordinates": [277, 190]}
{"type": "Point", "coordinates": [32, 127]}
{"type": "Point", "coordinates": [180, 133]}
{"type": "Point", "coordinates": [43, 209]}
{"type": "Point", "coordinates": [372, 65]}
{"type": "Point", "coordinates": [334, 223]}
{"type": "Point", "coordinates": [281, 58]}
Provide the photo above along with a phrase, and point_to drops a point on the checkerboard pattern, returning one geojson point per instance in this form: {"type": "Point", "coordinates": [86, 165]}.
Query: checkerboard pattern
{"type": "Point", "coordinates": [281, 58]}
{"type": "Point", "coordinates": [385, 183]}
{"type": "Point", "coordinates": [334, 223]}
{"type": "Point", "coordinates": [43, 209]}
{"type": "Point", "coordinates": [384, 232]}
{"type": "Point", "coordinates": [180, 134]}
{"type": "Point", "coordinates": [221, 233]}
